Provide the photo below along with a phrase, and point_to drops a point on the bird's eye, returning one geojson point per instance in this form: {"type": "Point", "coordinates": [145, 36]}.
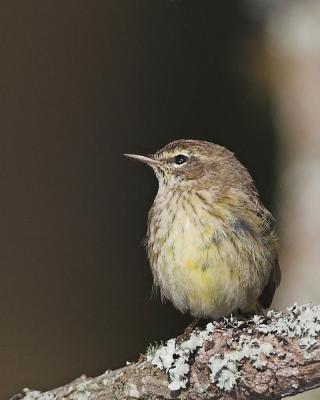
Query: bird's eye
{"type": "Point", "coordinates": [180, 159]}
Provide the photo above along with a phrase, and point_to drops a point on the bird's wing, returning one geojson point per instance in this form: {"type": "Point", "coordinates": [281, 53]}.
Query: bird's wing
{"type": "Point", "coordinates": [267, 294]}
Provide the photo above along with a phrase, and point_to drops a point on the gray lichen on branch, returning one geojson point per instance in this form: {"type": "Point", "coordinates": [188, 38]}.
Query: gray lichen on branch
{"type": "Point", "coordinates": [268, 357]}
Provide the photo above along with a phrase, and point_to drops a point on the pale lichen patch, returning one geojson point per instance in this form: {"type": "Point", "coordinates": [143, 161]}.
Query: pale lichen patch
{"type": "Point", "coordinates": [131, 390]}
{"type": "Point", "coordinates": [173, 357]}
{"type": "Point", "coordinates": [80, 395]}
{"type": "Point", "coordinates": [225, 370]}
{"type": "Point", "coordinates": [300, 321]}
{"type": "Point", "coordinates": [307, 342]}
{"type": "Point", "coordinates": [37, 395]}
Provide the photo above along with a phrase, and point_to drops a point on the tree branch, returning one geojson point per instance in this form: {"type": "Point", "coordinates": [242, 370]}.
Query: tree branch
{"type": "Point", "coordinates": [260, 358]}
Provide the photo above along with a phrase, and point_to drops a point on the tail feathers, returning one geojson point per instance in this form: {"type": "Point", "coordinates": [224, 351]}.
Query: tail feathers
{"type": "Point", "coordinates": [254, 308]}
{"type": "Point", "coordinates": [267, 294]}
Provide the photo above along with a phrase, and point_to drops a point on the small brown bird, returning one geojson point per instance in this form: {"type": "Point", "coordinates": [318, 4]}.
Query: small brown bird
{"type": "Point", "coordinates": [211, 243]}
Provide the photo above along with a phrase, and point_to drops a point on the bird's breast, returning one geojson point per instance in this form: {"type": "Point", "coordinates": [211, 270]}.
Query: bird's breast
{"type": "Point", "coordinates": [183, 229]}
{"type": "Point", "coordinates": [197, 262]}
{"type": "Point", "coordinates": [187, 248]}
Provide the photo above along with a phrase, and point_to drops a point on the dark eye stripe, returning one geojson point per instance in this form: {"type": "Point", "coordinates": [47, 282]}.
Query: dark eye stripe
{"type": "Point", "coordinates": [180, 159]}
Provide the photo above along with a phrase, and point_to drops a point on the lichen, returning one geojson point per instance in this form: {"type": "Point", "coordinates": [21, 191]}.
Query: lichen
{"type": "Point", "coordinates": [173, 357]}
{"type": "Point", "coordinates": [307, 342]}
{"type": "Point", "coordinates": [131, 390]}
{"type": "Point", "coordinates": [80, 395]}
{"type": "Point", "coordinates": [225, 370]}
{"type": "Point", "coordinates": [299, 322]}
{"type": "Point", "coordinates": [37, 395]}
{"type": "Point", "coordinates": [151, 350]}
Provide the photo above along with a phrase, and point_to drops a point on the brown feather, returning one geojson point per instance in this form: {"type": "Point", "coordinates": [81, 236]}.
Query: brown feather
{"type": "Point", "coordinates": [267, 294]}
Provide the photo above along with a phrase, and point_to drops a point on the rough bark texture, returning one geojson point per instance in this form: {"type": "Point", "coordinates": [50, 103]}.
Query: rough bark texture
{"type": "Point", "coordinates": [291, 367]}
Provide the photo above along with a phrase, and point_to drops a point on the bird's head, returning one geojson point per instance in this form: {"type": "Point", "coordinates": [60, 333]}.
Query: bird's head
{"type": "Point", "coordinates": [193, 164]}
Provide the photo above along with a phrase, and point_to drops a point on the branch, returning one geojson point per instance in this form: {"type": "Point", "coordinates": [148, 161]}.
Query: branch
{"type": "Point", "coordinates": [262, 358]}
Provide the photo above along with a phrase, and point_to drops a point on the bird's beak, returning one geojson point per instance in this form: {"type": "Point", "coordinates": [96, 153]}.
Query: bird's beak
{"type": "Point", "coordinates": [146, 160]}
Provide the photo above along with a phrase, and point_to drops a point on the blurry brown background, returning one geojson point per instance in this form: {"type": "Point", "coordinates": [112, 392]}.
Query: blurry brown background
{"type": "Point", "coordinates": [81, 83]}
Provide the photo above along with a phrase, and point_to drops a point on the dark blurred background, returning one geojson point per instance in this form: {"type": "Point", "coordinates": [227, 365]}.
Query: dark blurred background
{"type": "Point", "coordinates": [81, 83]}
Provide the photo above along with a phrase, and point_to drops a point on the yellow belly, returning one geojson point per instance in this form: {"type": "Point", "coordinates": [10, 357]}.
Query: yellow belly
{"type": "Point", "coordinates": [209, 282]}
{"type": "Point", "coordinates": [198, 267]}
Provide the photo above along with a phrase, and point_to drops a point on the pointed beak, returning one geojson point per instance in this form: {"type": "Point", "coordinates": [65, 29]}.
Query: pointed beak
{"type": "Point", "coordinates": [146, 160]}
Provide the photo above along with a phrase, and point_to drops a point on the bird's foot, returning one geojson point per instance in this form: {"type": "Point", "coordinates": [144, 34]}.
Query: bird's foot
{"type": "Point", "coordinates": [188, 330]}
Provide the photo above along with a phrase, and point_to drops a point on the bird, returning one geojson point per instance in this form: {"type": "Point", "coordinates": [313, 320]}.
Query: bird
{"type": "Point", "coordinates": [211, 243]}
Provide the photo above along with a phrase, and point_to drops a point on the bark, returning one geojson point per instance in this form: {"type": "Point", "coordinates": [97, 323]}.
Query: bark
{"type": "Point", "coordinates": [291, 364]}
